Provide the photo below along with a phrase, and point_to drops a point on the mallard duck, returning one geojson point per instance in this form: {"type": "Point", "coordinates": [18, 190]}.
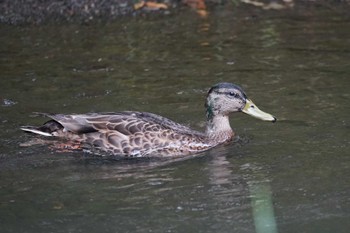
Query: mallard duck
{"type": "Point", "coordinates": [143, 134]}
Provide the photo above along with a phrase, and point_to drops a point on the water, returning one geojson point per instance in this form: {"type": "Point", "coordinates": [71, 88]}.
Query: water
{"type": "Point", "coordinates": [291, 176]}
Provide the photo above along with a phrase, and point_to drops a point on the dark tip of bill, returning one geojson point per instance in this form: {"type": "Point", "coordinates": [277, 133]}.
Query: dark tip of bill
{"type": "Point", "coordinates": [274, 120]}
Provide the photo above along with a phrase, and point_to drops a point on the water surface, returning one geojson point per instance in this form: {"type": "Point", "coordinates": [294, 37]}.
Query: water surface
{"type": "Point", "coordinates": [293, 174]}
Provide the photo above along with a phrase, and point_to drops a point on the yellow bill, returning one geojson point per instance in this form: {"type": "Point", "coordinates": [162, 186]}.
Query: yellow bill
{"type": "Point", "coordinates": [251, 109]}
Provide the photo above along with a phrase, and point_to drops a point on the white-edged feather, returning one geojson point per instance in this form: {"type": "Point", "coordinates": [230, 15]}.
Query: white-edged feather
{"type": "Point", "coordinates": [36, 131]}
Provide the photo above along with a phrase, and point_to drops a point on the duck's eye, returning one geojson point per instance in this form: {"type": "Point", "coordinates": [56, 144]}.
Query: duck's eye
{"type": "Point", "coordinates": [231, 93]}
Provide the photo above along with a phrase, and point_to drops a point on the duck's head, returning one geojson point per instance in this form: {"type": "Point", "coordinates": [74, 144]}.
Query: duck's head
{"type": "Point", "coordinates": [226, 98]}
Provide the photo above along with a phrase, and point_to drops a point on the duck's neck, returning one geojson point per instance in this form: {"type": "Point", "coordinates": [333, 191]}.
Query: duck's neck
{"type": "Point", "coordinates": [218, 128]}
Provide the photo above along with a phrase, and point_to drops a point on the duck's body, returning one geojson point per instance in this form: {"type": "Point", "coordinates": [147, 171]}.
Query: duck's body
{"type": "Point", "coordinates": [137, 134]}
{"type": "Point", "coordinates": [131, 134]}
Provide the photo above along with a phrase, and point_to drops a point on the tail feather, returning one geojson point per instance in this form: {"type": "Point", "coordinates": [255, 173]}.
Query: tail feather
{"type": "Point", "coordinates": [48, 129]}
{"type": "Point", "coordinates": [36, 130]}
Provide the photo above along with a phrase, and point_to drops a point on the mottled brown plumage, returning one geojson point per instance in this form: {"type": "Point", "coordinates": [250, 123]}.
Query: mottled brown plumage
{"type": "Point", "coordinates": [137, 134]}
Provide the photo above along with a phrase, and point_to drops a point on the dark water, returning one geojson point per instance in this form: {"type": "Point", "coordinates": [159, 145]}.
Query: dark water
{"type": "Point", "coordinates": [292, 176]}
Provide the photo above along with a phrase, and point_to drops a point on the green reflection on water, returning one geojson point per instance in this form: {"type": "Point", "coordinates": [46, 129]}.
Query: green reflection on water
{"type": "Point", "coordinates": [264, 218]}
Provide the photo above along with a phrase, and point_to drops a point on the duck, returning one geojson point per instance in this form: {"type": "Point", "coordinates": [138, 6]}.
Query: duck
{"type": "Point", "coordinates": [142, 134]}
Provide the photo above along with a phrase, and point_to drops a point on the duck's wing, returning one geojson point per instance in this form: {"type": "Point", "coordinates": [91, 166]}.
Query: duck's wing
{"type": "Point", "coordinates": [127, 123]}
